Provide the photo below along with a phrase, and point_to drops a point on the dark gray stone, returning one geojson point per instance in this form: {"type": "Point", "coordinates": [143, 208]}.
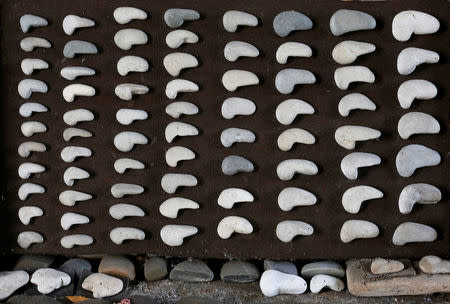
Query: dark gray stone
{"type": "Point", "coordinates": [283, 266]}
{"type": "Point", "coordinates": [95, 301]}
{"type": "Point", "coordinates": [192, 270]}
{"type": "Point", "coordinates": [75, 267]}
{"type": "Point", "coordinates": [143, 300]}
{"type": "Point", "coordinates": [323, 267]}
{"type": "Point", "coordinates": [344, 21]}
{"type": "Point", "coordinates": [31, 263]}
{"type": "Point", "coordinates": [286, 22]}
{"type": "Point", "coordinates": [175, 17]}
{"type": "Point", "coordinates": [22, 299]}
{"type": "Point", "coordinates": [234, 164]}
{"type": "Point", "coordinates": [198, 300]}
{"type": "Point", "coordinates": [155, 268]}
{"type": "Point", "coordinates": [75, 47]}
{"type": "Point", "coordinates": [239, 272]}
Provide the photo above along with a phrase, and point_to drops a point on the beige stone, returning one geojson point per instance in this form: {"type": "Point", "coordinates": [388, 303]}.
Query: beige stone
{"type": "Point", "coordinates": [382, 266]}
{"type": "Point", "coordinates": [117, 266]}
{"type": "Point", "coordinates": [434, 265]}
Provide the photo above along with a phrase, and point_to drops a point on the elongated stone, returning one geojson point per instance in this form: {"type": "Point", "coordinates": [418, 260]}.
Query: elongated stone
{"type": "Point", "coordinates": [288, 21]}
{"type": "Point", "coordinates": [234, 164]}
{"type": "Point", "coordinates": [344, 21]}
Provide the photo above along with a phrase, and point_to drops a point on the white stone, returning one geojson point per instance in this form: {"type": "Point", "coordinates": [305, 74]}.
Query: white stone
{"type": "Point", "coordinates": [27, 87]}
{"type": "Point", "coordinates": [233, 79]}
{"type": "Point", "coordinates": [171, 181]}
{"type": "Point", "coordinates": [288, 110]}
{"type": "Point", "coordinates": [175, 62]}
{"type": "Point", "coordinates": [26, 169]}
{"type": "Point", "coordinates": [232, 19]}
{"type": "Point", "coordinates": [355, 101]}
{"type": "Point", "coordinates": [73, 174]}
{"type": "Point", "coordinates": [27, 147]}
{"type": "Point", "coordinates": [26, 213]}
{"type": "Point", "coordinates": [70, 197]}
{"type": "Point", "coordinates": [234, 106]}
{"type": "Point", "coordinates": [176, 154]}
{"type": "Point", "coordinates": [433, 265]}
{"type": "Point", "coordinates": [288, 168]}
{"type": "Point", "coordinates": [347, 136]}
{"type": "Point", "coordinates": [170, 207]}
{"type": "Point", "coordinates": [292, 49]}
{"type": "Point", "coordinates": [73, 72]}
{"type": "Point", "coordinates": [173, 235]}
{"type": "Point", "coordinates": [344, 76]}
{"type": "Point", "coordinates": [70, 133]}
{"type": "Point", "coordinates": [10, 281]}
{"type": "Point", "coordinates": [178, 108]}
{"type": "Point", "coordinates": [102, 285]}
{"type": "Point", "coordinates": [48, 280]}
{"type": "Point", "coordinates": [233, 224]}
{"type": "Point", "coordinates": [29, 188]}
{"type": "Point", "coordinates": [28, 44]}
{"type": "Point", "coordinates": [125, 14]}
{"type": "Point", "coordinates": [28, 21]}
{"type": "Point", "coordinates": [413, 89]}
{"type": "Point", "coordinates": [176, 86]}
{"type": "Point", "coordinates": [291, 197]}
{"type": "Point", "coordinates": [125, 39]}
{"type": "Point", "coordinates": [358, 229]}
{"type": "Point", "coordinates": [382, 266]}
{"type": "Point", "coordinates": [177, 128]}
{"type": "Point", "coordinates": [236, 135]}
{"type": "Point", "coordinates": [320, 281]}
{"type": "Point", "coordinates": [355, 160]}
{"type": "Point", "coordinates": [235, 49]}
{"type": "Point", "coordinates": [125, 141]}
{"type": "Point", "coordinates": [420, 193]}
{"type": "Point", "coordinates": [77, 89]}
{"type": "Point", "coordinates": [28, 65]}
{"type": "Point", "coordinates": [121, 189]}
{"type": "Point", "coordinates": [69, 219]}
{"type": "Point", "coordinates": [409, 58]}
{"type": "Point", "coordinates": [176, 38]}
{"type": "Point", "coordinates": [123, 164]}
{"type": "Point", "coordinates": [27, 109]}
{"type": "Point", "coordinates": [125, 91]}
{"type": "Point", "coordinates": [347, 51]}
{"type": "Point", "coordinates": [411, 22]}
{"type": "Point", "coordinates": [70, 153]}
{"type": "Point", "coordinates": [73, 117]}
{"type": "Point", "coordinates": [286, 231]}
{"type": "Point", "coordinates": [230, 196]}
{"type": "Point", "coordinates": [353, 197]}
{"type": "Point", "coordinates": [287, 79]}
{"type": "Point", "coordinates": [410, 232]}
{"type": "Point", "coordinates": [128, 64]}
{"type": "Point", "coordinates": [417, 123]}
{"type": "Point", "coordinates": [29, 128]}
{"type": "Point", "coordinates": [274, 282]}
{"type": "Point", "coordinates": [120, 211]}
{"type": "Point", "coordinates": [26, 238]}
{"type": "Point", "coordinates": [120, 234]}
{"type": "Point", "coordinates": [289, 137]}
{"type": "Point", "coordinates": [73, 22]}
{"type": "Point", "coordinates": [128, 116]}
{"type": "Point", "coordinates": [412, 157]}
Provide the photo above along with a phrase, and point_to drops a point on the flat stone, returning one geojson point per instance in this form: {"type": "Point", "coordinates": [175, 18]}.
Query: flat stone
{"type": "Point", "coordinates": [323, 267]}
{"type": "Point", "coordinates": [117, 266]}
{"type": "Point", "coordinates": [88, 294]}
{"type": "Point", "coordinates": [382, 266]}
{"type": "Point", "coordinates": [22, 299]}
{"type": "Point", "coordinates": [75, 267]}
{"type": "Point", "coordinates": [239, 272]}
{"type": "Point", "coordinates": [192, 270]}
{"type": "Point", "coordinates": [344, 21]}
{"type": "Point", "coordinates": [31, 263]}
{"type": "Point", "coordinates": [155, 268]}
{"type": "Point", "coordinates": [102, 285]}
{"type": "Point", "coordinates": [286, 22]}
{"type": "Point", "coordinates": [10, 281]}
{"type": "Point", "coordinates": [48, 280]}
{"type": "Point", "coordinates": [283, 266]}
{"type": "Point", "coordinates": [434, 265]}
{"type": "Point", "coordinates": [234, 164]}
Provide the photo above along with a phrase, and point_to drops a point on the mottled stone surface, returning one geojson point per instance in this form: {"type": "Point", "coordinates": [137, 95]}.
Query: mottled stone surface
{"type": "Point", "coordinates": [323, 267]}
{"type": "Point", "coordinates": [155, 268]}
{"type": "Point", "coordinates": [239, 272]}
{"type": "Point", "coordinates": [116, 265]}
{"type": "Point", "coordinates": [192, 270]}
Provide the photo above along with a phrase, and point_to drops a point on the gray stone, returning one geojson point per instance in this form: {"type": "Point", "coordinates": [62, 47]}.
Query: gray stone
{"type": "Point", "coordinates": [75, 267]}
{"type": "Point", "coordinates": [75, 47]}
{"type": "Point", "coordinates": [31, 263]}
{"type": "Point", "coordinates": [286, 22]}
{"type": "Point", "coordinates": [344, 21]}
{"type": "Point", "coordinates": [21, 299]}
{"type": "Point", "coordinates": [283, 266]}
{"type": "Point", "coordinates": [234, 164]}
{"type": "Point", "coordinates": [175, 17]}
{"type": "Point", "coordinates": [287, 79]}
{"type": "Point", "coordinates": [95, 301]}
{"type": "Point", "coordinates": [197, 300]}
{"type": "Point", "coordinates": [192, 270]}
{"type": "Point", "coordinates": [155, 268]}
{"type": "Point", "coordinates": [239, 272]}
{"type": "Point", "coordinates": [10, 281]}
{"type": "Point", "coordinates": [324, 267]}
{"type": "Point", "coordinates": [28, 21]}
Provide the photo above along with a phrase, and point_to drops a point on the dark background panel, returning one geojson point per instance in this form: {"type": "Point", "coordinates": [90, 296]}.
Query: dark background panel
{"type": "Point", "coordinates": [326, 216]}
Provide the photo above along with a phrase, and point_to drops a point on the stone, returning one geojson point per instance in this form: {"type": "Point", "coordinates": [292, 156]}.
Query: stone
{"type": "Point", "coordinates": [347, 51]}
{"type": "Point", "coordinates": [330, 268]}
{"type": "Point", "coordinates": [287, 79]}
{"type": "Point", "coordinates": [29, 128]}
{"type": "Point", "coordinates": [76, 116]}
{"type": "Point", "coordinates": [75, 267]}
{"type": "Point", "coordinates": [26, 189]}
{"type": "Point", "coordinates": [69, 219]}
{"type": "Point", "coordinates": [230, 196]}
{"type": "Point", "coordinates": [411, 22]}
{"type": "Point", "coordinates": [70, 197]}
{"type": "Point", "coordinates": [119, 211]}
{"type": "Point", "coordinates": [170, 182]}
{"type": "Point", "coordinates": [31, 263]}
{"type": "Point", "coordinates": [233, 79]}
{"type": "Point", "coordinates": [27, 87]}
{"type": "Point", "coordinates": [120, 234]}
{"type": "Point", "coordinates": [288, 21]}
{"type": "Point", "coordinates": [289, 109]}
{"type": "Point", "coordinates": [176, 38]}
{"type": "Point", "coordinates": [28, 44]}
{"type": "Point", "coordinates": [409, 58]}
{"type": "Point", "coordinates": [286, 231]}
{"type": "Point", "coordinates": [353, 197]}
{"type": "Point", "coordinates": [102, 285]}
{"type": "Point", "coordinates": [70, 133]}
{"type": "Point", "coordinates": [288, 138]}
{"type": "Point", "coordinates": [71, 73]}
{"type": "Point", "coordinates": [344, 76]}
{"type": "Point", "coordinates": [282, 266]}
{"type": "Point", "coordinates": [239, 272]}
{"type": "Point", "coordinates": [174, 63]}
{"type": "Point", "coordinates": [48, 279]}
{"type": "Point", "coordinates": [358, 229]}
{"type": "Point", "coordinates": [351, 162]}
{"type": "Point", "coordinates": [192, 270]}
{"type": "Point", "coordinates": [128, 64]}
{"type": "Point", "coordinates": [125, 141]}
{"type": "Point", "coordinates": [413, 89]}
{"type": "Point", "coordinates": [178, 108]}
{"type": "Point", "coordinates": [29, 65]}
{"type": "Point", "coordinates": [411, 232]}
{"type": "Point", "coordinates": [23, 299]}
{"type": "Point", "coordinates": [412, 157]}
{"type": "Point", "coordinates": [417, 123]}
{"type": "Point", "coordinates": [125, 39]}
{"type": "Point", "coordinates": [176, 154]}
{"type": "Point", "coordinates": [72, 240]}
{"type": "Point", "coordinates": [177, 128]}
{"type": "Point", "coordinates": [26, 213]}
{"type": "Point", "coordinates": [29, 21]}
{"type": "Point", "coordinates": [233, 224]}
{"type": "Point", "coordinates": [274, 282]}
{"type": "Point", "coordinates": [27, 238]}
{"type": "Point", "coordinates": [291, 197]}
{"type": "Point", "coordinates": [28, 108]}
{"type": "Point", "coordinates": [176, 86]}
{"type": "Point", "coordinates": [288, 168]}
{"type": "Point", "coordinates": [236, 49]}
{"type": "Point", "coordinates": [292, 49]}
{"type": "Point", "coordinates": [419, 193]}
{"type": "Point", "coordinates": [27, 147]}
{"type": "Point", "coordinates": [126, 14]}
{"type": "Point", "coordinates": [78, 47]}
{"type": "Point", "coordinates": [73, 174]}
{"type": "Point", "coordinates": [127, 116]}
{"type": "Point", "coordinates": [70, 153]}
{"type": "Point", "coordinates": [174, 235]}
{"type": "Point", "coordinates": [233, 19]}
{"type": "Point", "coordinates": [234, 106]}
{"type": "Point", "coordinates": [73, 22]}
{"type": "Point", "coordinates": [10, 281]}
{"type": "Point", "coordinates": [236, 135]}
{"type": "Point", "coordinates": [345, 21]}
{"type": "Point", "coordinates": [123, 164]}
{"type": "Point", "coordinates": [27, 169]}
{"type": "Point", "coordinates": [383, 266]}
{"type": "Point", "coordinates": [175, 17]}
{"type": "Point", "coordinates": [234, 164]}
{"type": "Point", "coordinates": [155, 268]}
{"type": "Point", "coordinates": [196, 300]}
{"type": "Point", "coordinates": [117, 265]}
{"type": "Point", "coordinates": [170, 207]}
{"type": "Point", "coordinates": [434, 265]}
{"type": "Point", "coordinates": [125, 91]}
{"type": "Point", "coordinates": [355, 101]}
{"type": "Point", "coordinates": [320, 281]}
